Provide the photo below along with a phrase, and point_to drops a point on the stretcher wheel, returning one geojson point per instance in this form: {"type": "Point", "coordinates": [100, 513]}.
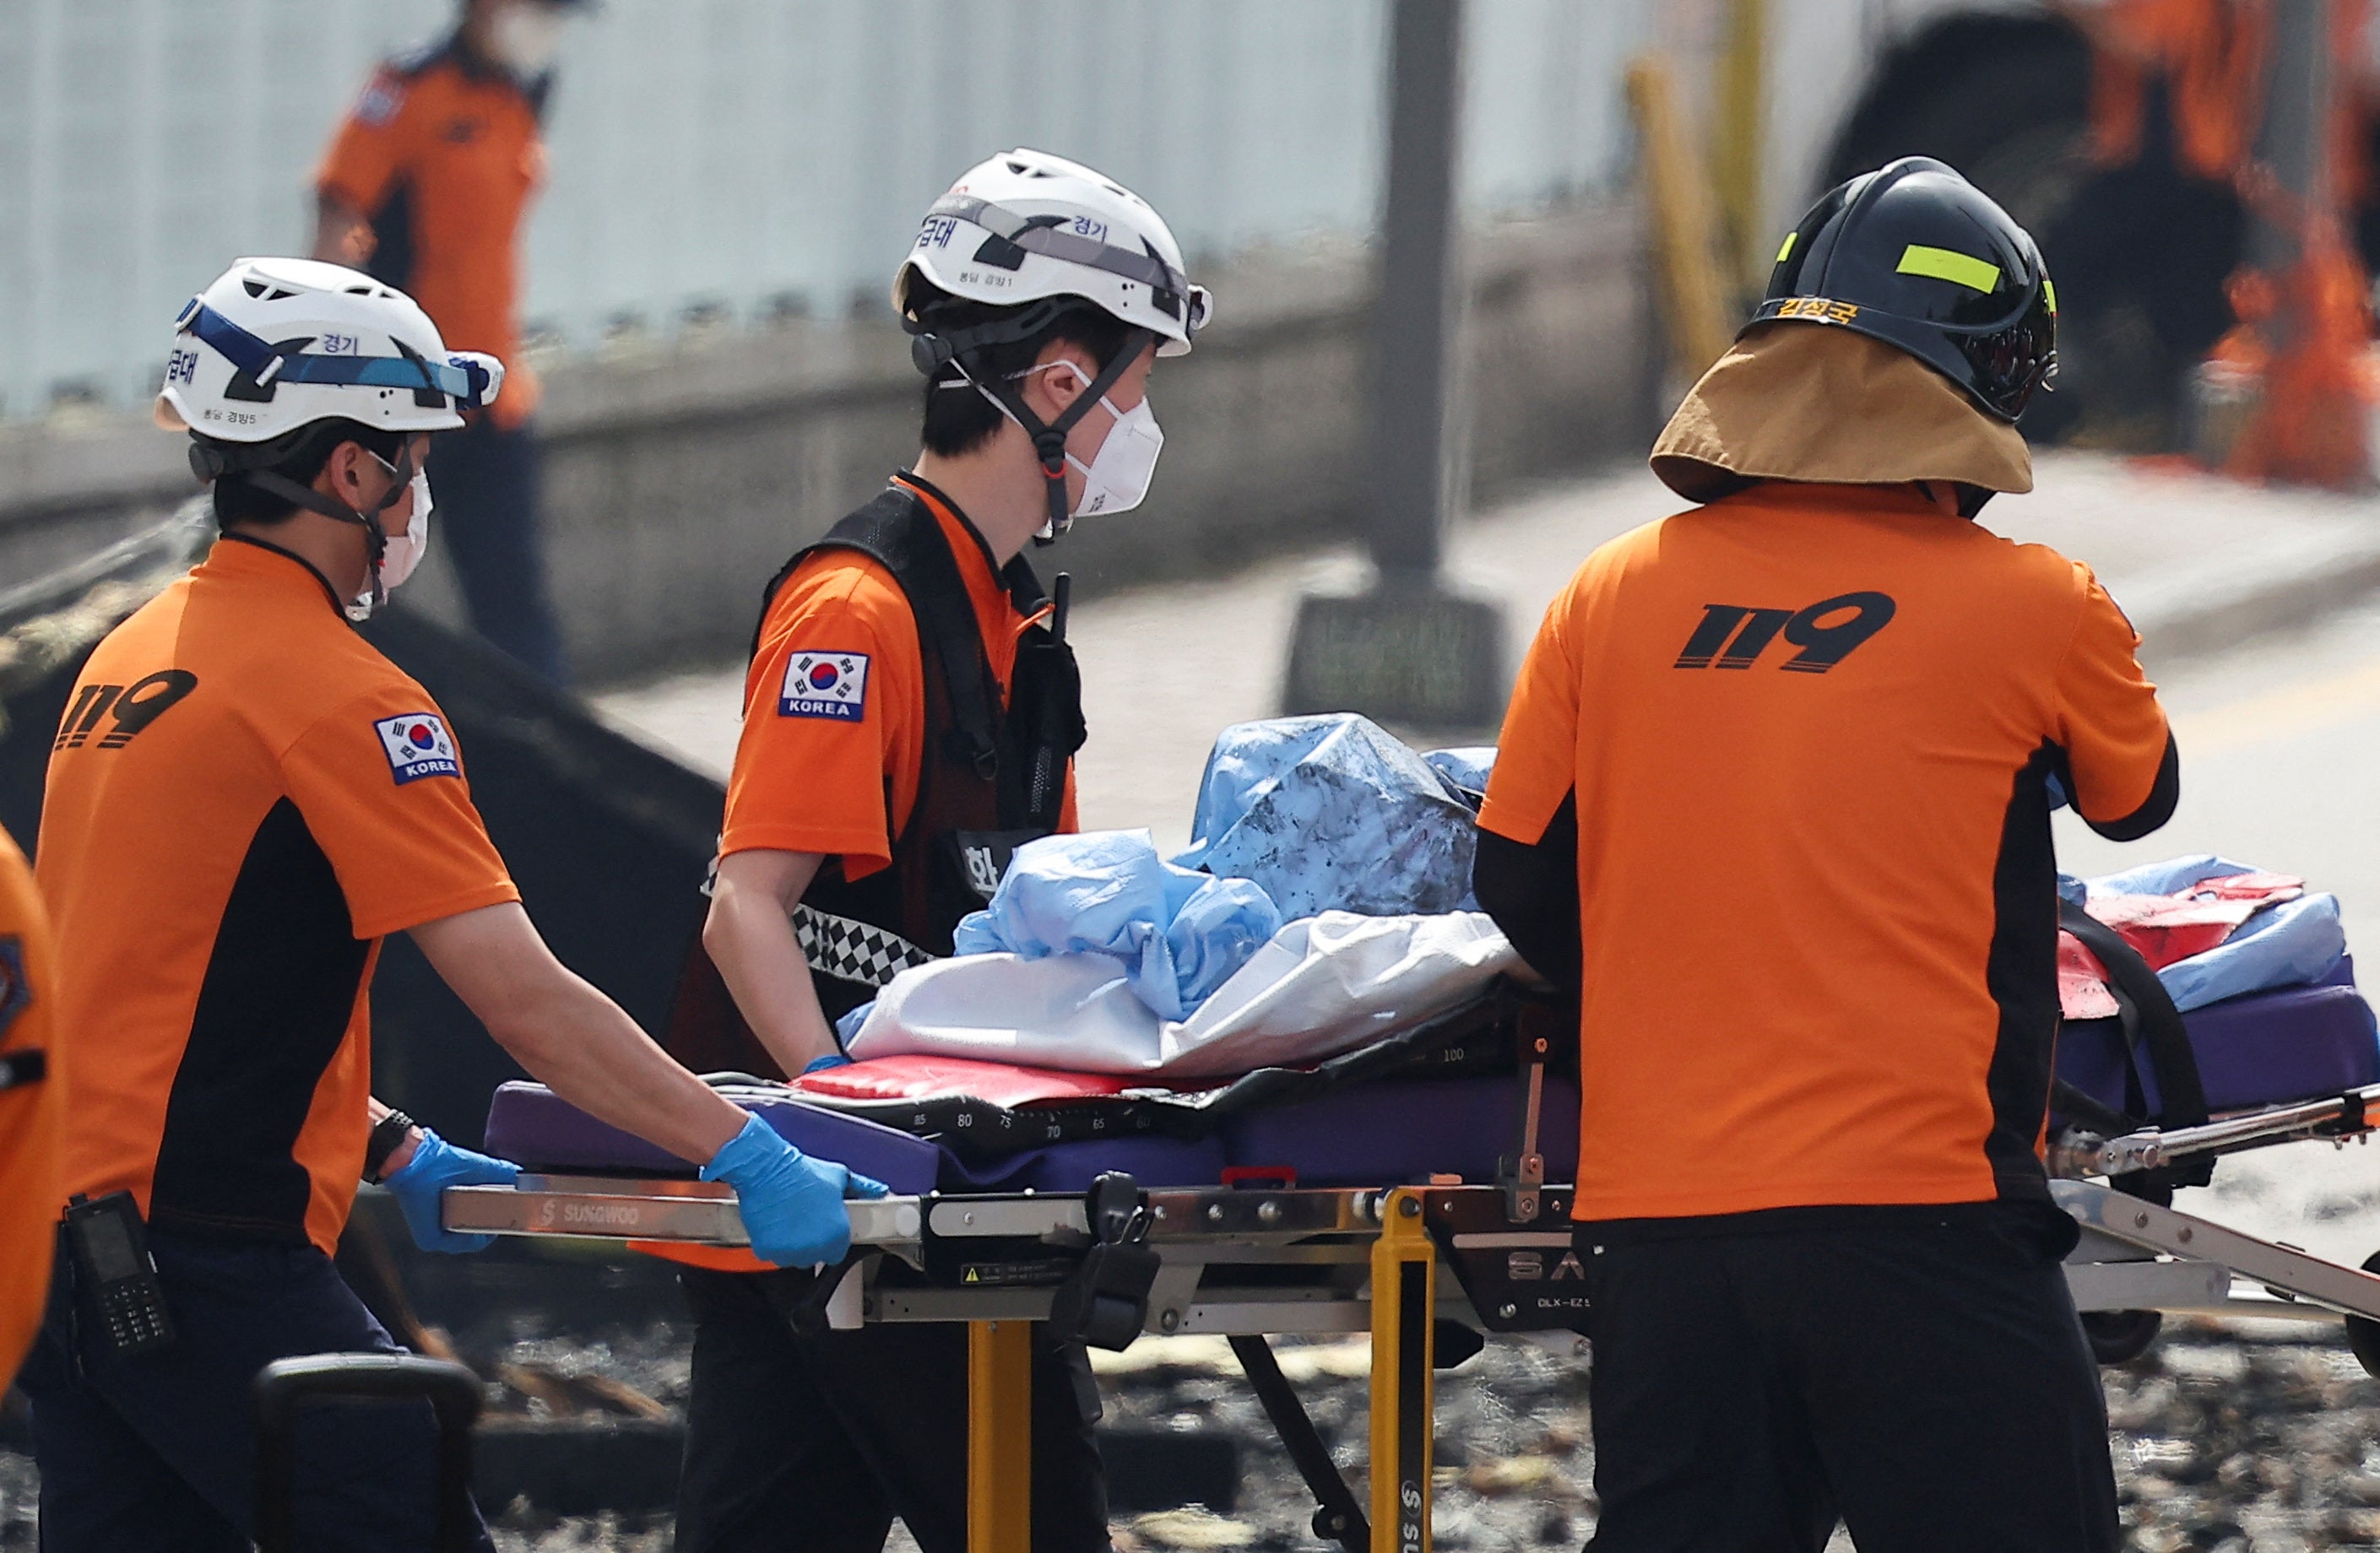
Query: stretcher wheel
{"type": "Point", "coordinates": [2117, 1337]}
{"type": "Point", "coordinates": [2363, 1334]}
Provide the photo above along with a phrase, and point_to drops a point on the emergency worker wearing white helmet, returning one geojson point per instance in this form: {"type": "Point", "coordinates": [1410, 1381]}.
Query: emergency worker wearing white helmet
{"type": "Point", "coordinates": [244, 798]}
{"type": "Point", "coordinates": [910, 716]}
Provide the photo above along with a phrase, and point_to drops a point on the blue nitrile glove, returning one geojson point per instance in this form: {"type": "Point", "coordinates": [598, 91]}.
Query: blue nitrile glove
{"type": "Point", "coordinates": [820, 1064]}
{"type": "Point", "coordinates": [791, 1204]}
{"type": "Point", "coordinates": [436, 1165]}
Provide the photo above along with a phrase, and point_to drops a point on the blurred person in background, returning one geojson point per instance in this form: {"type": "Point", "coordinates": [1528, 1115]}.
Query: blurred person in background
{"type": "Point", "coordinates": [32, 1097]}
{"type": "Point", "coordinates": [1821, 1257]}
{"type": "Point", "coordinates": [424, 185]}
{"type": "Point", "coordinates": [910, 716]}
{"type": "Point", "coordinates": [244, 798]}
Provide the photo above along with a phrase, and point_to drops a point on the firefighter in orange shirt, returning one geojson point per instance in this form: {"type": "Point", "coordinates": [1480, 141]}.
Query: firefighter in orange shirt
{"type": "Point", "coordinates": [910, 716]}
{"type": "Point", "coordinates": [32, 1099]}
{"type": "Point", "coordinates": [1822, 1261]}
{"type": "Point", "coordinates": [244, 799]}
{"type": "Point", "coordinates": [425, 186]}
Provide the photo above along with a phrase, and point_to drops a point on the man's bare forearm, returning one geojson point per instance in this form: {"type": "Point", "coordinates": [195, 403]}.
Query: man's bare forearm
{"type": "Point", "coordinates": [750, 937]}
{"type": "Point", "coordinates": [586, 1049]}
{"type": "Point", "coordinates": [567, 1033]}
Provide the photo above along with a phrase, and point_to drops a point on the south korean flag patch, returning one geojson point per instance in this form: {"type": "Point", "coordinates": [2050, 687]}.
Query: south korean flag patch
{"type": "Point", "coordinates": [828, 684]}
{"type": "Point", "coordinates": [418, 745]}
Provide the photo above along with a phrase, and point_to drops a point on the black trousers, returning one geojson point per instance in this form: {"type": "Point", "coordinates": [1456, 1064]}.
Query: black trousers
{"type": "Point", "coordinates": [486, 487]}
{"type": "Point", "coordinates": [816, 1443]}
{"type": "Point", "coordinates": [1918, 1373]}
{"type": "Point", "coordinates": [157, 1453]}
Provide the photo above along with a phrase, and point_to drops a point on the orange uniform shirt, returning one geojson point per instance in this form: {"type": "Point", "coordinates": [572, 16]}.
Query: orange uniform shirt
{"type": "Point", "coordinates": [32, 1111]}
{"type": "Point", "coordinates": [1805, 727]}
{"type": "Point", "coordinates": [843, 786]}
{"type": "Point", "coordinates": [244, 797]}
{"type": "Point", "coordinates": [442, 153]}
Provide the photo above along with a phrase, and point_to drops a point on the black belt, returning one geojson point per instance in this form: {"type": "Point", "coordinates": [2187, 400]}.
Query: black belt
{"type": "Point", "coordinates": [20, 1068]}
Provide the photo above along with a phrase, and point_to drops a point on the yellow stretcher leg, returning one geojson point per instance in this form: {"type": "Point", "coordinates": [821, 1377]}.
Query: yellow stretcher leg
{"type": "Point", "coordinates": [999, 1436]}
{"type": "Point", "coordinates": [1404, 1308]}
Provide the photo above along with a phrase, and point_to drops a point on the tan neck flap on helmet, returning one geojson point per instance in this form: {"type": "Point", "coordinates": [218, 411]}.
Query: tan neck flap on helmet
{"type": "Point", "coordinates": [1806, 402]}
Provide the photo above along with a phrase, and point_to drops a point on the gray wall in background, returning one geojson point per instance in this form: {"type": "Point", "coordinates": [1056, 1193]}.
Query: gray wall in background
{"type": "Point", "coordinates": [734, 159]}
{"type": "Point", "coordinates": [681, 475]}
{"type": "Point", "coordinates": [675, 491]}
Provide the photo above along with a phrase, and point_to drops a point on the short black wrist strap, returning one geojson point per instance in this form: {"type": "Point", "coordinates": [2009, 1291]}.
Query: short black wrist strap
{"type": "Point", "coordinates": [387, 1134]}
{"type": "Point", "coordinates": [20, 1068]}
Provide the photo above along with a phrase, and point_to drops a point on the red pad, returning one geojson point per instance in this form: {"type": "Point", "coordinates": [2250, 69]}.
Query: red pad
{"type": "Point", "coordinates": [915, 1077]}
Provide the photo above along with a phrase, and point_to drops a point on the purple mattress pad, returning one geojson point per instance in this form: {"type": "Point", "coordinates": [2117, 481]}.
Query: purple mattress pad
{"type": "Point", "coordinates": [1371, 1135]}
{"type": "Point", "coordinates": [533, 1126]}
{"type": "Point", "coordinates": [2297, 1043]}
{"type": "Point", "coordinates": [2265, 1048]}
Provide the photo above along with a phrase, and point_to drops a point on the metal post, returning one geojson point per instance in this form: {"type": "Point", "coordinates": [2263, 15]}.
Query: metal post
{"type": "Point", "coordinates": [2310, 425]}
{"type": "Point", "coordinates": [1738, 139]}
{"type": "Point", "coordinates": [999, 1436]}
{"type": "Point", "coordinates": [1404, 1328]}
{"type": "Point", "coordinates": [1410, 652]}
{"type": "Point", "coordinates": [2290, 141]}
{"type": "Point", "coordinates": [1414, 331]}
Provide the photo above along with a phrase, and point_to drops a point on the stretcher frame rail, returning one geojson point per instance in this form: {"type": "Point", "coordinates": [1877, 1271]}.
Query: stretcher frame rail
{"type": "Point", "coordinates": [2350, 1114]}
{"type": "Point", "coordinates": [1251, 1261]}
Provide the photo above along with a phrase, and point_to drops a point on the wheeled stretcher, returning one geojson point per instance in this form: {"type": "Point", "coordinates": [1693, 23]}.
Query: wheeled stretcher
{"type": "Point", "coordinates": [1411, 1188]}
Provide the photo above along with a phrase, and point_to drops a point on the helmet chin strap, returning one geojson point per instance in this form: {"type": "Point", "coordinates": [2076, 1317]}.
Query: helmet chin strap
{"type": "Point", "coordinates": [375, 536]}
{"type": "Point", "coordinates": [1050, 437]}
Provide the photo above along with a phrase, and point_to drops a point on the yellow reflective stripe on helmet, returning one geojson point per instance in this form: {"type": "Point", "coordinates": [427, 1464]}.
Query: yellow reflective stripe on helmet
{"type": "Point", "coordinates": [2049, 294]}
{"type": "Point", "coordinates": [1943, 264]}
{"type": "Point", "coordinates": [1788, 247]}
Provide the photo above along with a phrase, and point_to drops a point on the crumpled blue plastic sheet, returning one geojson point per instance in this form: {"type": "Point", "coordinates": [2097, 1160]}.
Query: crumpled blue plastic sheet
{"type": "Point", "coordinates": [1468, 768]}
{"type": "Point", "coordinates": [2292, 944]}
{"type": "Point", "coordinates": [1178, 933]}
{"type": "Point", "coordinates": [1332, 813]}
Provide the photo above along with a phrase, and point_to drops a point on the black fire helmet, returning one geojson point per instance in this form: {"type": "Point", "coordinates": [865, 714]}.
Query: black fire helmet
{"type": "Point", "coordinates": [1915, 255]}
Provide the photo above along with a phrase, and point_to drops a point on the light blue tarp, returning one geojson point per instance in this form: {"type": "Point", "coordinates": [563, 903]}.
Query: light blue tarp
{"type": "Point", "coordinates": [1332, 814]}
{"type": "Point", "coordinates": [2291, 944]}
{"type": "Point", "coordinates": [1467, 767]}
{"type": "Point", "coordinates": [1179, 934]}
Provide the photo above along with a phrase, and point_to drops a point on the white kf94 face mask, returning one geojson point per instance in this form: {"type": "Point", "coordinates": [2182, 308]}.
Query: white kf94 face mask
{"type": "Point", "coordinates": [404, 552]}
{"type": "Point", "coordinates": [524, 36]}
{"type": "Point", "coordinates": [1118, 475]}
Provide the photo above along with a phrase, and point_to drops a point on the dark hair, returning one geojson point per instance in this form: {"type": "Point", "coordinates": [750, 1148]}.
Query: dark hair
{"type": "Point", "coordinates": [960, 420]}
{"type": "Point", "coordinates": [298, 456]}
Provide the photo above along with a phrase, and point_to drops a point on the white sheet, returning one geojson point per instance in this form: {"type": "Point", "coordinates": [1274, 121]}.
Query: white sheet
{"type": "Point", "coordinates": [1322, 986]}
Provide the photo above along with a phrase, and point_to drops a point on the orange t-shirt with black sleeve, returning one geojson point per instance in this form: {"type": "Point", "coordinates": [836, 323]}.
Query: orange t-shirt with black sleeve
{"type": "Point", "coordinates": [834, 723]}
{"type": "Point", "coordinates": [834, 703]}
{"type": "Point", "coordinates": [244, 797]}
{"type": "Point", "coordinates": [1808, 730]}
{"type": "Point", "coordinates": [442, 153]}
{"type": "Point", "coordinates": [32, 1099]}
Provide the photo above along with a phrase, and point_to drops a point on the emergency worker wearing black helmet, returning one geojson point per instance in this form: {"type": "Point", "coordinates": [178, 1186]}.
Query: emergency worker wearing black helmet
{"type": "Point", "coordinates": [1819, 1252]}
{"type": "Point", "coordinates": [1915, 255]}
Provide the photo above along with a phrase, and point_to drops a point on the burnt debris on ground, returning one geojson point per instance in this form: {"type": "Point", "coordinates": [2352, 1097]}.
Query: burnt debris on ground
{"type": "Point", "coordinates": [2228, 1437]}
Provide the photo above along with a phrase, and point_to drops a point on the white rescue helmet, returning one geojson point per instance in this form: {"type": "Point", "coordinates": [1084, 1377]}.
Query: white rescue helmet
{"type": "Point", "coordinates": [275, 345]}
{"type": "Point", "coordinates": [1025, 226]}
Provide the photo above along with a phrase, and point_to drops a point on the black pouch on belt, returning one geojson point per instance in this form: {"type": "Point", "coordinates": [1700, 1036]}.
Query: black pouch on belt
{"type": "Point", "coordinates": [110, 1248]}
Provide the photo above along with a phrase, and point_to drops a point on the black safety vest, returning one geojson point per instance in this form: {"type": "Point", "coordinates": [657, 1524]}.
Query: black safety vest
{"type": "Point", "coordinates": [993, 778]}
